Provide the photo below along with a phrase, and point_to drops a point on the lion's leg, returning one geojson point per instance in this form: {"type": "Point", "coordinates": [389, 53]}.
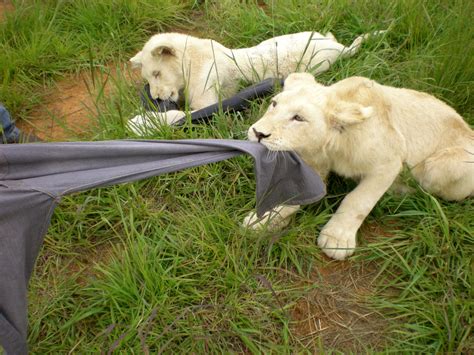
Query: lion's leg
{"type": "Point", "coordinates": [275, 219]}
{"type": "Point", "coordinates": [338, 237]}
{"type": "Point", "coordinates": [448, 173]}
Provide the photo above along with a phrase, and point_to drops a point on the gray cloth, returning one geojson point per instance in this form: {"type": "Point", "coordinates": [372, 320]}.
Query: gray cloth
{"type": "Point", "coordinates": [33, 177]}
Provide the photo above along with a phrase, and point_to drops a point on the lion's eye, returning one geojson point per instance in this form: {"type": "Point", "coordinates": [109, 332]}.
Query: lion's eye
{"type": "Point", "coordinates": [274, 103]}
{"type": "Point", "coordinates": [156, 74]}
{"type": "Point", "coordinates": [297, 118]}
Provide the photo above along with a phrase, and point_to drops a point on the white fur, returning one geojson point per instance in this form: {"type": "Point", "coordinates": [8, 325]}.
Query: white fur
{"type": "Point", "coordinates": [203, 69]}
{"type": "Point", "coordinates": [141, 124]}
{"type": "Point", "coordinates": [367, 131]}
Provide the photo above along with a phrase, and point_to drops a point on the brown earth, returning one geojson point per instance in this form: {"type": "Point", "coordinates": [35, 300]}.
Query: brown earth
{"type": "Point", "coordinates": [70, 107]}
{"type": "Point", "coordinates": [67, 111]}
{"type": "Point", "coordinates": [5, 6]}
{"type": "Point", "coordinates": [335, 314]}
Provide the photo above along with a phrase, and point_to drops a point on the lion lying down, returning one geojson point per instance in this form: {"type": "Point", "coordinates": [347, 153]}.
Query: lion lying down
{"type": "Point", "coordinates": [366, 131]}
{"type": "Point", "coordinates": [204, 69]}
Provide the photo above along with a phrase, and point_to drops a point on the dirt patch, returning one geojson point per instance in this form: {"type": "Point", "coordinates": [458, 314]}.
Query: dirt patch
{"type": "Point", "coordinates": [372, 231]}
{"type": "Point", "coordinates": [84, 266]}
{"type": "Point", "coordinates": [335, 315]}
{"type": "Point", "coordinates": [67, 112]}
{"type": "Point", "coordinates": [5, 6]}
{"type": "Point", "coordinates": [80, 264]}
{"type": "Point", "coordinates": [70, 107]}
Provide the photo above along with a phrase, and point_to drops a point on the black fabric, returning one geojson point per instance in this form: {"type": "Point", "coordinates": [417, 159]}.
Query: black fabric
{"type": "Point", "coordinates": [238, 102]}
{"type": "Point", "coordinates": [151, 104]}
{"type": "Point", "coordinates": [33, 177]}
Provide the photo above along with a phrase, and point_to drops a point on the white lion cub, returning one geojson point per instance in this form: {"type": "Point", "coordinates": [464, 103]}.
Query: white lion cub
{"type": "Point", "coordinates": [174, 62]}
{"type": "Point", "coordinates": [366, 131]}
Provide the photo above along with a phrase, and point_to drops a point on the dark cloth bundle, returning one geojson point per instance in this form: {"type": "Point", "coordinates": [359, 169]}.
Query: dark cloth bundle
{"type": "Point", "coordinates": [238, 102]}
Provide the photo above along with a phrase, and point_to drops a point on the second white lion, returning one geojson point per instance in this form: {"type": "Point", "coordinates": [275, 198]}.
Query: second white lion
{"type": "Point", "coordinates": [174, 63]}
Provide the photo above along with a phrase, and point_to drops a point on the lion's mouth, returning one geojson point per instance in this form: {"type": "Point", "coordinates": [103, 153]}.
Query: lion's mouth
{"type": "Point", "coordinates": [178, 97]}
{"type": "Point", "coordinates": [272, 146]}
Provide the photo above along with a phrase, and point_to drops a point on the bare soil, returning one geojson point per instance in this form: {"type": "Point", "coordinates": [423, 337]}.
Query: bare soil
{"type": "Point", "coordinates": [66, 113]}
{"type": "Point", "coordinates": [70, 109]}
{"type": "Point", "coordinates": [5, 6]}
{"type": "Point", "coordinates": [335, 314]}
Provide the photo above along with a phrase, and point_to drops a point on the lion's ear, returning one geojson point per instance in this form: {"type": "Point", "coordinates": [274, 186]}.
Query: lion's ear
{"type": "Point", "coordinates": [163, 50]}
{"type": "Point", "coordinates": [137, 60]}
{"type": "Point", "coordinates": [343, 113]}
{"type": "Point", "coordinates": [297, 79]}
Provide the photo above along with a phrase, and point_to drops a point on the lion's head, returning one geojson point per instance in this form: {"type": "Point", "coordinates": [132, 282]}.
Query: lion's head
{"type": "Point", "coordinates": [161, 62]}
{"type": "Point", "coordinates": [306, 115]}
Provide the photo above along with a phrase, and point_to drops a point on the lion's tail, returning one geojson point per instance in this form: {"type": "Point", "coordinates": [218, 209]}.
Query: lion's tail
{"type": "Point", "coordinates": [354, 47]}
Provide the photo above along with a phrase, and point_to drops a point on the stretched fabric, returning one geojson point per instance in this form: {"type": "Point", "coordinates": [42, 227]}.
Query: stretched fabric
{"type": "Point", "coordinates": [33, 177]}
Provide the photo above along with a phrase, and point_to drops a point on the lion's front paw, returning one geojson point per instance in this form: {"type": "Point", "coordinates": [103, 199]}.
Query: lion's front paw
{"type": "Point", "coordinates": [140, 124]}
{"type": "Point", "coordinates": [252, 221]}
{"type": "Point", "coordinates": [271, 221]}
{"type": "Point", "coordinates": [173, 116]}
{"type": "Point", "coordinates": [337, 243]}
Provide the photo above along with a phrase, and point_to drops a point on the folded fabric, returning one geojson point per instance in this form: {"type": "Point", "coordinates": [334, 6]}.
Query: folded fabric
{"type": "Point", "coordinates": [238, 102]}
{"type": "Point", "coordinates": [33, 177]}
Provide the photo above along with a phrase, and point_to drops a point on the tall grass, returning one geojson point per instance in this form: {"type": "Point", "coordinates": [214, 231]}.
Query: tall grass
{"type": "Point", "coordinates": [427, 263]}
{"type": "Point", "coordinates": [162, 265]}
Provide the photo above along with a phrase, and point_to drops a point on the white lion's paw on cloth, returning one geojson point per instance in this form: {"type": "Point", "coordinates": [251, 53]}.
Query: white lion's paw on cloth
{"type": "Point", "coordinates": [337, 243]}
{"type": "Point", "coordinates": [141, 123]}
{"type": "Point", "coordinates": [273, 220]}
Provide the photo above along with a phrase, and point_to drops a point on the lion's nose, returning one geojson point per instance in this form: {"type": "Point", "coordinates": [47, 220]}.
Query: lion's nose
{"type": "Point", "coordinates": [260, 135]}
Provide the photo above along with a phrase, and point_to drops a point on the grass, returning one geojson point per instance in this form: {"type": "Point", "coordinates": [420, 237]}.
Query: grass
{"type": "Point", "coordinates": [42, 40]}
{"type": "Point", "coordinates": [162, 265]}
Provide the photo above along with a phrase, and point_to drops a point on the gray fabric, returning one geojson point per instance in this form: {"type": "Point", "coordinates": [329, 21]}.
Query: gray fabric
{"type": "Point", "coordinates": [33, 177]}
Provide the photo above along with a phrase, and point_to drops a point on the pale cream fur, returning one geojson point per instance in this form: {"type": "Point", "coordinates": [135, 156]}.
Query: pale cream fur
{"type": "Point", "coordinates": [366, 131]}
{"type": "Point", "coordinates": [205, 70]}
